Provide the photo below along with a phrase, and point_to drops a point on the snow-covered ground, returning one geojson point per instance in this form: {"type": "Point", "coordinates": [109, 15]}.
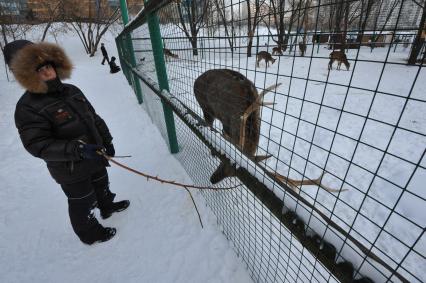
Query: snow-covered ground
{"type": "Point", "coordinates": [365, 127]}
{"type": "Point", "coordinates": [159, 238]}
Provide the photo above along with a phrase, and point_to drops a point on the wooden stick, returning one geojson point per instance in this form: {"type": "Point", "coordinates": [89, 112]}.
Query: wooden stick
{"type": "Point", "coordinates": [185, 186]}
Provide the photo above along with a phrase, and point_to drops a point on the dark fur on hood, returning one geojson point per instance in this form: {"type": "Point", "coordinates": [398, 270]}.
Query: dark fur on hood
{"type": "Point", "coordinates": [25, 62]}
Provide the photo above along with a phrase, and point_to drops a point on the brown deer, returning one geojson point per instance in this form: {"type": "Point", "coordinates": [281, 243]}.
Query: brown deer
{"type": "Point", "coordinates": [168, 54]}
{"type": "Point", "coordinates": [302, 48]}
{"type": "Point", "coordinates": [340, 57]}
{"type": "Point", "coordinates": [277, 50]}
{"type": "Point", "coordinates": [230, 97]}
{"type": "Point", "coordinates": [265, 56]}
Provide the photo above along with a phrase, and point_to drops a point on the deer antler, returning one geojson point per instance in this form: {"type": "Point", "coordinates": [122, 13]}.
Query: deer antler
{"type": "Point", "coordinates": [259, 158]}
{"type": "Point", "coordinates": [295, 184]}
{"type": "Point", "coordinates": [268, 89]}
{"type": "Point", "coordinates": [255, 105]}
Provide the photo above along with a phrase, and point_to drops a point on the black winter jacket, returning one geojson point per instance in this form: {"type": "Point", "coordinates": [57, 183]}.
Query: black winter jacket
{"type": "Point", "coordinates": [104, 52]}
{"type": "Point", "coordinates": [50, 125]}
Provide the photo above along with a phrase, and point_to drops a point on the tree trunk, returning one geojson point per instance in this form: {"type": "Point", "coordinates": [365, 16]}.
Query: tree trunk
{"type": "Point", "coordinates": [364, 21]}
{"type": "Point", "coordinates": [418, 42]}
{"type": "Point", "coordinates": [249, 45]}
{"type": "Point", "coordinates": [45, 31]}
{"type": "Point", "coordinates": [222, 14]}
{"type": "Point", "coordinates": [281, 29]}
{"type": "Point", "coordinates": [194, 46]}
{"type": "Point", "coordinates": [3, 32]}
{"type": "Point", "coordinates": [345, 28]}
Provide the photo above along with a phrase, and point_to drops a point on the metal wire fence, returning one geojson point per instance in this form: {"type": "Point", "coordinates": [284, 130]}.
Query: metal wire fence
{"type": "Point", "coordinates": [335, 187]}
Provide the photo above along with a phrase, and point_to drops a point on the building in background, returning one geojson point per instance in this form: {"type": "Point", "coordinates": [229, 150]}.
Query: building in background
{"type": "Point", "coordinates": [391, 13]}
{"type": "Point", "coordinates": [16, 10]}
{"type": "Point", "coordinates": [36, 11]}
{"type": "Point", "coordinates": [384, 15]}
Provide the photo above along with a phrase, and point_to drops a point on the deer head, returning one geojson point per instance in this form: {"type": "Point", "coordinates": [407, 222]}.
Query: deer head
{"type": "Point", "coordinates": [224, 170]}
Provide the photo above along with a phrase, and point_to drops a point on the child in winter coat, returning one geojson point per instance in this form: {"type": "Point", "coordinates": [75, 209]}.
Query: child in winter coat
{"type": "Point", "coordinates": [58, 124]}
{"type": "Point", "coordinates": [113, 67]}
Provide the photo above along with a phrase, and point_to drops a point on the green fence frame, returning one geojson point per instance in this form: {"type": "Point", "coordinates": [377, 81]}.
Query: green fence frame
{"type": "Point", "coordinates": [322, 250]}
{"type": "Point", "coordinates": [129, 60]}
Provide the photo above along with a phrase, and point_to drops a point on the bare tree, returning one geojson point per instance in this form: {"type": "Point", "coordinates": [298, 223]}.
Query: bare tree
{"type": "Point", "coordinates": [305, 25]}
{"type": "Point", "coordinates": [284, 19]}
{"type": "Point", "coordinates": [221, 10]}
{"type": "Point", "coordinates": [278, 12]}
{"type": "Point", "coordinates": [53, 14]}
{"type": "Point", "coordinates": [418, 42]}
{"type": "Point", "coordinates": [4, 40]}
{"type": "Point", "coordinates": [212, 20]}
{"type": "Point", "coordinates": [59, 28]}
{"type": "Point", "coordinates": [92, 27]}
{"type": "Point", "coordinates": [255, 14]}
{"type": "Point", "coordinates": [12, 32]}
{"type": "Point", "coordinates": [391, 10]}
{"type": "Point", "coordinates": [192, 16]}
{"type": "Point", "coordinates": [365, 12]}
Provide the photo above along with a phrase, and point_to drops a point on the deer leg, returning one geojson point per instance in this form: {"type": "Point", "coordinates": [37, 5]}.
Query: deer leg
{"type": "Point", "coordinates": [330, 64]}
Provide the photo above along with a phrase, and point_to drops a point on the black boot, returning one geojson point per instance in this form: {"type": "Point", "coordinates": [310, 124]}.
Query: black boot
{"type": "Point", "coordinates": [114, 207]}
{"type": "Point", "coordinates": [98, 234]}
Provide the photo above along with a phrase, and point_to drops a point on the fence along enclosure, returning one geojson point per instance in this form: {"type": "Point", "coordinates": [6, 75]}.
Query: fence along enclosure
{"type": "Point", "coordinates": [334, 189]}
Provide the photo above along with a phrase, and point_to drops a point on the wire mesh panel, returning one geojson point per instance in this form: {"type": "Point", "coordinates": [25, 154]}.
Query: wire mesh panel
{"type": "Point", "coordinates": [339, 138]}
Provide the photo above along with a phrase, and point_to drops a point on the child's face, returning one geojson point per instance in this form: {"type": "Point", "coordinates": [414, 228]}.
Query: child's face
{"type": "Point", "coordinates": [46, 73]}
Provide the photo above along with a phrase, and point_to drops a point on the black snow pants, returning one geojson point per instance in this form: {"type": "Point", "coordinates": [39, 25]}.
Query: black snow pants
{"type": "Point", "coordinates": [105, 59]}
{"type": "Point", "coordinates": [83, 198]}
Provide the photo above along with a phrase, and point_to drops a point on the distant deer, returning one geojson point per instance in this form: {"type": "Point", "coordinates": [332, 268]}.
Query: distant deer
{"type": "Point", "coordinates": [265, 56]}
{"type": "Point", "coordinates": [277, 50]}
{"type": "Point", "coordinates": [302, 48]}
{"type": "Point", "coordinates": [168, 54]}
{"type": "Point", "coordinates": [230, 97]}
{"type": "Point", "coordinates": [340, 57]}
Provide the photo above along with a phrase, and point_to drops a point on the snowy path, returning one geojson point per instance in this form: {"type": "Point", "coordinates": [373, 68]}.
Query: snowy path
{"type": "Point", "coordinates": [159, 238]}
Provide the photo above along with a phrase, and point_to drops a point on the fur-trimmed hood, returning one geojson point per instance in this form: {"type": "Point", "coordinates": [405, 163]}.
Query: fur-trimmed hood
{"type": "Point", "coordinates": [24, 64]}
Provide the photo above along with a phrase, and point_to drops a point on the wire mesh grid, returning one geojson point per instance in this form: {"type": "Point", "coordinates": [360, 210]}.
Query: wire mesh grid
{"type": "Point", "coordinates": [364, 127]}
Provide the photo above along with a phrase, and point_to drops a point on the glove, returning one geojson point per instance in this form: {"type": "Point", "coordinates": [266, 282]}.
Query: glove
{"type": "Point", "coordinates": [89, 151]}
{"type": "Point", "coordinates": [109, 150]}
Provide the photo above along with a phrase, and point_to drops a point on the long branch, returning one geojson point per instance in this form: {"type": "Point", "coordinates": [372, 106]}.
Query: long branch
{"type": "Point", "coordinates": [165, 181]}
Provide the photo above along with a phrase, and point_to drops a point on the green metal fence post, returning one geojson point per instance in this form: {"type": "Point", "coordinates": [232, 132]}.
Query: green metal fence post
{"type": "Point", "coordinates": [121, 58]}
{"type": "Point", "coordinates": [128, 40]}
{"type": "Point", "coordinates": [160, 66]}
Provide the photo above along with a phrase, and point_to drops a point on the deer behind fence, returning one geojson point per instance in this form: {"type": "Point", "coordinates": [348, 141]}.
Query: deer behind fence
{"type": "Point", "coordinates": [233, 99]}
{"type": "Point", "coordinates": [277, 50]}
{"type": "Point", "coordinates": [169, 54]}
{"type": "Point", "coordinates": [264, 55]}
{"type": "Point", "coordinates": [340, 57]}
{"type": "Point", "coordinates": [302, 48]}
